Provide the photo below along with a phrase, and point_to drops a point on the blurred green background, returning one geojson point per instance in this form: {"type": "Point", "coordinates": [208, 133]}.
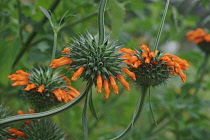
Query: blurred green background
{"type": "Point", "coordinates": [26, 40]}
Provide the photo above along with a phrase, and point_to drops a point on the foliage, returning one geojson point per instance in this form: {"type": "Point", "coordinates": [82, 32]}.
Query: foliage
{"type": "Point", "coordinates": [26, 40]}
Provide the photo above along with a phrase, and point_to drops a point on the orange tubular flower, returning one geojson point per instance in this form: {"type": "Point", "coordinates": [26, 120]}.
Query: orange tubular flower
{"type": "Point", "coordinates": [106, 88]}
{"type": "Point", "coordinates": [200, 37]}
{"type": "Point", "coordinates": [40, 89]}
{"type": "Point", "coordinates": [30, 86]}
{"type": "Point", "coordinates": [152, 68]}
{"type": "Point", "coordinates": [77, 73]}
{"type": "Point", "coordinates": [60, 62]}
{"type": "Point", "coordinates": [99, 83]}
{"type": "Point", "coordinates": [17, 132]}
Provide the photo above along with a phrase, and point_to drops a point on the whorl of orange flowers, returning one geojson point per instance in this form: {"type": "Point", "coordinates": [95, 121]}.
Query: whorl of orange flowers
{"type": "Point", "coordinates": [64, 94]}
{"type": "Point", "coordinates": [197, 36]}
{"type": "Point", "coordinates": [152, 65]}
{"type": "Point", "coordinates": [102, 80]}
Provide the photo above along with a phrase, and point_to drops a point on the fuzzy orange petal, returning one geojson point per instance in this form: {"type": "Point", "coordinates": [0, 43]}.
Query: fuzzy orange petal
{"type": "Point", "coordinates": [106, 88]}
{"type": "Point", "coordinates": [123, 82]}
{"type": "Point", "coordinates": [30, 86]}
{"type": "Point", "coordinates": [113, 84]}
{"type": "Point", "coordinates": [131, 74]}
{"type": "Point", "coordinates": [21, 72]}
{"type": "Point", "coordinates": [77, 73]}
{"type": "Point", "coordinates": [40, 89]}
{"type": "Point", "coordinates": [20, 83]}
{"type": "Point", "coordinates": [99, 83]}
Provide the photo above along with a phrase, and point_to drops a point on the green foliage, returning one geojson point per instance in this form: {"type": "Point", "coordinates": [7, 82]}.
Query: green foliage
{"type": "Point", "coordinates": [179, 114]}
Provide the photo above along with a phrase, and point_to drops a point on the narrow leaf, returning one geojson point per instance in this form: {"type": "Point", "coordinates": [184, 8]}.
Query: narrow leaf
{"type": "Point", "coordinates": [91, 105]}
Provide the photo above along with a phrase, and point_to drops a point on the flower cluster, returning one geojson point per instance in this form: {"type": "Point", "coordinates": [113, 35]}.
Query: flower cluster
{"type": "Point", "coordinates": [36, 129]}
{"type": "Point", "coordinates": [17, 133]}
{"type": "Point", "coordinates": [197, 36]}
{"type": "Point", "coordinates": [100, 64]}
{"type": "Point", "coordinates": [153, 68]}
{"type": "Point", "coordinates": [43, 88]}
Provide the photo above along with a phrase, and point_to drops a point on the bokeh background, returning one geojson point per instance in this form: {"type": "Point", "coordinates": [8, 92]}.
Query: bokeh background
{"type": "Point", "coordinates": [26, 41]}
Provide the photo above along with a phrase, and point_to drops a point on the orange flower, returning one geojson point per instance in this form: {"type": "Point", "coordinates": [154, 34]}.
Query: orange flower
{"type": "Point", "coordinates": [198, 36]}
{"type": "Point", "coordinates": [60, 62]}
{"type": "Point", "coordinates": [124, 83]}
{"type": "Point", "coordinates": [106, 88]}
{"type": "Point", "coordinates": [29, 87]}
{"type": "Point", "coordinates": [77, 73]}
{"type": "Point", "coordinates": [66, 50]}
{"type": "Point", "coordinates": [17, 132]}
{"type": "Point", "coordinates": [99, 83]}
{"type": "Point", "coordinates": [40, 89]}
{"type": "Point", "coordinates": [148, 67]}
{"type": "Point", "coordinates": [20, 83]}
{"type": "Point", "coordinates": [67, 95]}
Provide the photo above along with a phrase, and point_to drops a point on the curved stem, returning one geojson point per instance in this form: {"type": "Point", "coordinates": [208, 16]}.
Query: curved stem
{"type": "Point", "coordinates": [136, 114]}
{"type": "Point", "coordinates": [45, 114]}
{"type": "Point", "coordinates": [101, 21]}
{"type": "Point", "coordinates": [161, 25]}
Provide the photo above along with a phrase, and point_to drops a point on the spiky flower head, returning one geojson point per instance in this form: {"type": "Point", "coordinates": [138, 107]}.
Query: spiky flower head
{"type": "Point", "coordinates": [43, 129]}
{"type": "Point", "coordinates": [153, 68]}
{"type": "Point", "coordinates": [100, 64]}
{"type": "Point", "coordinates": [3, 129]}
{"type": "Point", "coordinates": [44, 89]}
{"type": "Point", "coordinates": [200, 37]}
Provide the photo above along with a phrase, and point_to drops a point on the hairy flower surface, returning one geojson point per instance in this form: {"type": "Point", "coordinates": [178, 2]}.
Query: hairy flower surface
{"type": "Point", "coordinates": [100, 64]}
{"type": "Point", "coordinates": [200, 37]}
{"type": "Point", "coordinates": [43, 88]}
{"type": "Point", "coordinates": [153, 68]}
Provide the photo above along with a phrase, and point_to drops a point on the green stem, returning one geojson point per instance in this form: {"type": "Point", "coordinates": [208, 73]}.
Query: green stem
{"type": "Point", "coordinates": [45, 114]}
{"type": "Point", "coordinates": [84, 118]}
{"type": "Point", "coordinates": [101, 21]}
{"type": "Point", "coordinates": [136, 114]}
{"type": "Point", "coordinates": [54, 44]}
{"type": "Point", "coordinates": [161, 25]}
{"type": "Point", "coordinates": [20, 22]}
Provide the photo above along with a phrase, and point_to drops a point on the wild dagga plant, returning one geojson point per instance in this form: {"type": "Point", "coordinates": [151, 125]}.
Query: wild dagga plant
{"type": "Point", "coordinates": [152, 68]}
{"type": "Point", "coordinates": [95, 60]}
{"type": "Point", "coordinates": [44, 89]}
{"type": "Point", "coordinates": [42, 129]}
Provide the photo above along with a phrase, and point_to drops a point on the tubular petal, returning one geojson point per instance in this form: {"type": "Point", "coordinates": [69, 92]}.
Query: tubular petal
{"type": "Point", "coordinates": [40, 89]}
{"type": "Point", "coordinates": [20, 83]}
{"type": "Point", "coordinates": [99, 83]}
{"type": "Point", "coordinates": [30, 86]}
{"type": "Point", "coordinates": [113, 84]}
{"type": "Point", "coordinates": [106, 88]}
{"type": "Point", "coordinates": [131, 74]}
{"type": "Point", "coordinates": [77, 73]}
{"type": "Point", "coordinates": [124, 83]}
{"type": "Point", "coordinates": [21, 72]}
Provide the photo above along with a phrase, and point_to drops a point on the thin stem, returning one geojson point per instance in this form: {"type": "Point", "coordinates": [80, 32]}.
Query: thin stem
{"type": "Point", "coordinates": [84, 118]}
{"type": "Point", "coordinates": [136, 115]}
{"type": "Point", "coordinates": [20, 21]}
{"type": "Point", "coordinates": [45, 114]}
{"type": "Point", "coordinates": [54, 44]}
{"type": "Point", "coordinates": [101, 21]}
{"type": "Point", "coordinates": [161, 25]}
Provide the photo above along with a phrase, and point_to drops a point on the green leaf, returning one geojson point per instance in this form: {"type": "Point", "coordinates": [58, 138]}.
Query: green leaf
{"type": "Point", "coordinates": [91, 105]}
{"type": "Point", "coordinates": [47, 14]}
{"type": "Point", "coordinates": [8, 52]}
{"type": "Point", "coordinates": [117, 15]}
